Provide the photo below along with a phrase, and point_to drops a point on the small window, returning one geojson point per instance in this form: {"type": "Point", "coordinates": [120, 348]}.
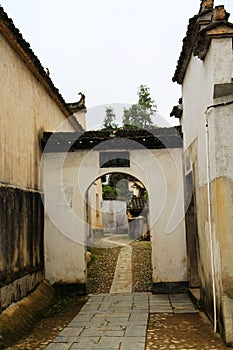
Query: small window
{"type": "Point", "coordinates": [114, 160]}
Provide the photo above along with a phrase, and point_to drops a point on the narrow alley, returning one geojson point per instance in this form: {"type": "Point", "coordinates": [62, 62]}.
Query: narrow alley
{"type": "Point", "coordinates": [156, 191]}
{"type": "Point", "coordinates": [125, 319]}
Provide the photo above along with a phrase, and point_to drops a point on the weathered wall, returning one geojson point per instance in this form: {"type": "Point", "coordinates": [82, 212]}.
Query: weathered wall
{"type": "Point", "coordinates": [64, 233]}
{"type": "Point", "coordinates": [198, 91]}
{"type": "Point", "coordinates": [199, 86]}
{"type": "Point", "coordinates": [21, 243]}
{"type": "Point", "coordinates": [26, 110]}
{"type": "Point", "coordinates": [161, 172]}
{"type": "Point", "coordinates": [221, 138]}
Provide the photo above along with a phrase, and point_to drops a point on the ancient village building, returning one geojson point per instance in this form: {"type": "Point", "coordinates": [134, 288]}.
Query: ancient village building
{"type": "Point", "coordinates": [29, 104]}
{"type": "Point", "coordinates": [204, 70]}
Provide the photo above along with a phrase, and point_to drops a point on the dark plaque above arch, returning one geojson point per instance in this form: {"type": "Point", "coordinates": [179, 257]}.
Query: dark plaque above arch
{"type": "Point", "coordinates": [114, 160]}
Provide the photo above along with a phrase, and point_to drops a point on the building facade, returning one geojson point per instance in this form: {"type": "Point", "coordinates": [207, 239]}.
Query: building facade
{"type": "Point", "coordinates": [204, 70]}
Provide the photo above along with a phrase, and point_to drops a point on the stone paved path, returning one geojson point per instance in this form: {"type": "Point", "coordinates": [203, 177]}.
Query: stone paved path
{"type": "Point", "coordinates": [131, 321]}
{"type": "Point", "coordinates": [117, 321]}
{"type": "Point", "coordinates": [122, 282]}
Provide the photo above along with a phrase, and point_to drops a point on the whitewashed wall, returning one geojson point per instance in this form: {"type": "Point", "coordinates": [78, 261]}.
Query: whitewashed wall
{"type": "Point", "coordinates": [161, 173]}
{"type": "Point", "coordinates": [199, 88]}
{"type": "Point", "coordinates": [26, 111]}
{"type": "Point", "coordinates": [198, 94]}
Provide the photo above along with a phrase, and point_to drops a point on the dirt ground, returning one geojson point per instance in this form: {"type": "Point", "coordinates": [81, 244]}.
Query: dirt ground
{"type": "Point", "coordinates": [182, 331]}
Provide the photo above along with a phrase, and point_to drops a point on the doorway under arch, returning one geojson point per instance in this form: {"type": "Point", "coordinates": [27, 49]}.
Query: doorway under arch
{"type": "Point", "coordinates": [117, 203]}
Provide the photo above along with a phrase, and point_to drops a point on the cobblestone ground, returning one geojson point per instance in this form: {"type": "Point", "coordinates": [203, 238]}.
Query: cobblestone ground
{"type": "Point", "coordinates": [181, 331]}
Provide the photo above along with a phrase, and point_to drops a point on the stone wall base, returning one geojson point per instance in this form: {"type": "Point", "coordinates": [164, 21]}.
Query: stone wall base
{"type": "Point", "coordinates": [170, 287]}
{"type": "Point", "coordinates": [66, 289]}
{"type": "Point", "coordinates": [227, 302]}
{"type": "Point", "coordinates": [20, 317]}
{"type": "Point", "coordinates": [19, 289]}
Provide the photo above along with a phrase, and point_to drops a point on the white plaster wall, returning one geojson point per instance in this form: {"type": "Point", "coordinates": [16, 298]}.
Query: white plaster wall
{"type": "Point", "coordinates": [161, 173]}
{"type": "Point", "coordinates": [64, 237]}
{"type": "Point", "coordinates": [198, 89]}
{"type": "Point", "coordinates": [221, 50]}
{"type": "Point", "coordinates": [81, 117]}
{"type": "Point", "coordinates": [168, 234]}
{"type": "Point", "coordinates": [198, 94]}
{"type": "Point", "coordinates": [26, 110]}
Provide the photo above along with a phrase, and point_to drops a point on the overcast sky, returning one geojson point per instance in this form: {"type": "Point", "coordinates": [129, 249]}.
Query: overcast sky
{"type": "Point", "coordinates": [107, 48]}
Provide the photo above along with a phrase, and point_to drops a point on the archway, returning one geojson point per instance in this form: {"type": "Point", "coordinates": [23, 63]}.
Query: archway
{"type": "Point", "coordinates": [154, 159]}
{"type": "Point", "coordinates": [117, 204]}
{"type": "Point", "coordinates": [118, 221]}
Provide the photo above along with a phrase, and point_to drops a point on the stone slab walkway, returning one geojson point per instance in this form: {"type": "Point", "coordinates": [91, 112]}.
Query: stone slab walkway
{"type": "Point", "coordinates": [122, 282]}
{"type": "Point", "coordinates": [117, 321]}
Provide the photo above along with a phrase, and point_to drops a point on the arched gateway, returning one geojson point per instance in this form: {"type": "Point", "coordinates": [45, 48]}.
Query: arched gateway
{"type": "Point", "coordinates": [72, 162]}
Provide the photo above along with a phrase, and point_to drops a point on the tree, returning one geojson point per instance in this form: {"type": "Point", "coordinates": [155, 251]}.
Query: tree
{"type": "Point", "coordinates": [110, 118]}
{"type": "Point", "coordinates": [139, 114]}
{"type": "Point", "coordinates": [145, 100]}
{"type": "Point", "coordinates": [117, 186]}
{"type": "Point", "coordinates": [108, 192]}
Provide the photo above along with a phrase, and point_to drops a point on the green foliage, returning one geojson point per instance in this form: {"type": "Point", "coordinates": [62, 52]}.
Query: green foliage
{"type": "Point", "coordinates": [117, 186]}
{"type": "Point", "coordinates": [114, 178]}
{"type": "Point", "coordinates": [145, 100]}
{"type": "Point", "coordinates": [108, 192]}
{"type": "Point", "coordinates": [119, 182]}
{"type": "Point", "coordinates": [145, 195]}
{"type": "Point", "coordinates": [139, 115]}
{"type": "Point", "coordinates": [93, 260]}
{"type": "Point", "coordinates": [110, 118]}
